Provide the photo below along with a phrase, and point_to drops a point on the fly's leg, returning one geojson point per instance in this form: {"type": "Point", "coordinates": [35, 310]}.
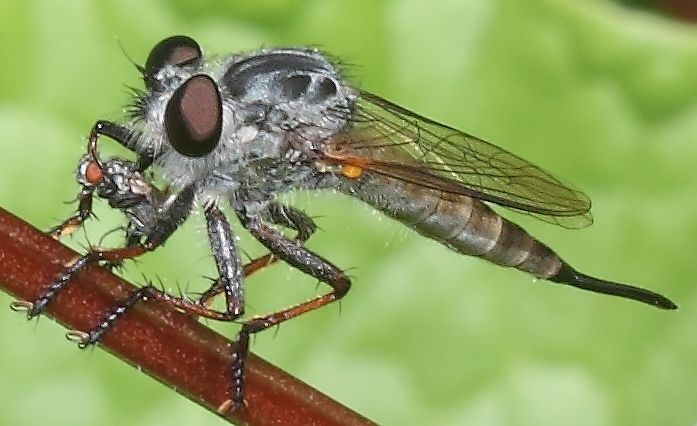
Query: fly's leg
{"type": "Point", "coordinates": [224, 251]}
{"type": "Point", "coordinates": [123, 136]}
{"type": "Point", "coordinates": [222, 242]}
{"type": "Point", "coordinates": [227, 261]}
{"type": "Point", "coordinates": [296, 255]}
{"type": "Point", "coordinates": [131, 241]}
{"type": "Point", "coordinates": [278, 214]}
{"type": "Point", "coordinates": [170, 219]}
{"type": "Point", "coordinates": [288, 217]}
{"type": "Point", "coordinates": [236, 395]}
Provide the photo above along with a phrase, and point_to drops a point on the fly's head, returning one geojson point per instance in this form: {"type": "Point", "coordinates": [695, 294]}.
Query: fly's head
{"type": "Point", "coordinates": [180, 114]}
{"type": "Point", "coordinates": [205, 118]}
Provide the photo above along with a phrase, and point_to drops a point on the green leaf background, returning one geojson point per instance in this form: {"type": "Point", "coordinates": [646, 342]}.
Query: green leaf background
{"type": "Point", "coordinates": [603, 96]}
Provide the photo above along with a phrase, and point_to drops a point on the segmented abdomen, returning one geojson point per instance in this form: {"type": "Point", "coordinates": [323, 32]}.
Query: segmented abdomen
{"type": "Point", "coordinates": [464, 224]}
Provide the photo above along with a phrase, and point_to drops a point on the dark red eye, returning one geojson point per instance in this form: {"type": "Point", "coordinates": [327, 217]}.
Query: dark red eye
{"type": "Point", "coordinates": [176, 50]}
{"type": "Point", "coordinates": [194, 117]}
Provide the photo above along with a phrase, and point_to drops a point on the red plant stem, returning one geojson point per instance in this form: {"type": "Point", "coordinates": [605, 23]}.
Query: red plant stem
{"type": "Point", "coordinates": [164, 343]}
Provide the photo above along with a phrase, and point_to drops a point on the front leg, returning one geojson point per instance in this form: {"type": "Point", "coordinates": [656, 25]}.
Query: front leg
{"type": "Point", "coordinates": [223, 247]}
{"type": "Point", "coordinates": [168, 220]}
{"type": "Point", "coordinates": [74, 222]}
{"type": "Point", "coordinates": [87, 177]}
{"type": "Point", "coordinates": [121, 134]}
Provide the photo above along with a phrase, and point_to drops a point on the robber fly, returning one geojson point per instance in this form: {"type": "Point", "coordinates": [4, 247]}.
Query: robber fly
{"type": "Point", "coordinates": [246, 128]}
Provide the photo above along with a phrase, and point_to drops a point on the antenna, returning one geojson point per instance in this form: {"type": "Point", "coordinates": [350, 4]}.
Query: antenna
{"type": "Point", "coordinates": [139, 67]}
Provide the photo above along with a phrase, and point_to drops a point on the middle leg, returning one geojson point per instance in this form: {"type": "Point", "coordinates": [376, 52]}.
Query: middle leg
{"type": "Point", "coordinates": [296, 255]}
{"type": "Point", "coordinates": [278, 214]}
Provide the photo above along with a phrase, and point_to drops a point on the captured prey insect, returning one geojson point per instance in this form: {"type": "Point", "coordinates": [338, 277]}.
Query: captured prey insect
{"type": "Point", "coordinates": [248, 127]}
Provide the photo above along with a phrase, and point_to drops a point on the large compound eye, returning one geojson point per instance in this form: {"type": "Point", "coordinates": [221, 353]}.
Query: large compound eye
{"type": "Point", "coordinates": [194, 117]}
{"type": "Point", "coordinates": [176, 50]}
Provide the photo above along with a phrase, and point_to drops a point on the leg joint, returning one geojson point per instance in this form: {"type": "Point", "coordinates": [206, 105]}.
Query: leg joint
{"type": "Point", "coordinates": [341, 286]}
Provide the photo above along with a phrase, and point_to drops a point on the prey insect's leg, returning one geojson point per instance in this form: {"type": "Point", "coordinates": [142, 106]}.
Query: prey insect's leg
{"type": "Point", "coordinates": [278, 214]}
{"type": "Point", "coordinates": [123, 136]}
{"type": "Point", "coordinates": [169, 220]}
{"type": "Point", "coordinates": [229, 267]}
{"type": "Point", "coordinates": [71, 224]}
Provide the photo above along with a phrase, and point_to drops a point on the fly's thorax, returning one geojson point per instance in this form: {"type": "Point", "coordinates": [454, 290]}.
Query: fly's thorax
{"type": "Point", "coordinates": [284, 99]}
{"type": "Point", "coordinates": [271, 102]}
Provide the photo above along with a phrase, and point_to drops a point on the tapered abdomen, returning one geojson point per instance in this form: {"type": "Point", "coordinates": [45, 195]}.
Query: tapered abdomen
{"type": "Point", "coordinates": [470, 227]}
{"type": "Point", "coordinates": [463, 224]}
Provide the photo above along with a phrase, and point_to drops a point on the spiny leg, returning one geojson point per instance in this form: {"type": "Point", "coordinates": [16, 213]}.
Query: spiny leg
{"type": "Point", "coordinates": [223, 247]}
{"type": "Point", "coordinates": [227, 260]}
{"type": "Point", "coordinates": [172, 216]}
{"type": "Point", "coordinates": [110, 256]}
{"type": "Point", "coordinates": [132, 240]}
{"type": "Point", "coordinates": [123, 136]}
{"type": "Point", "coordinates": [278, 214]}
{"type": "Point", "coordinates": [288, 217]}
{"type": "Point", "coordinates": [296, 255]}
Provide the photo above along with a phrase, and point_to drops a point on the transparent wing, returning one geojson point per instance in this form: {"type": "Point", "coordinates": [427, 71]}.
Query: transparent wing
{"type": "Point", "coordinates": [389, 140]}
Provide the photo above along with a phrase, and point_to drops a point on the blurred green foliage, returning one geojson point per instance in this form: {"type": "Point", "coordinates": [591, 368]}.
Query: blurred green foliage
{"type": "Point", "coordinates": [602, 96]}
{"type": "Point", "coordinates": [645, 4]}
